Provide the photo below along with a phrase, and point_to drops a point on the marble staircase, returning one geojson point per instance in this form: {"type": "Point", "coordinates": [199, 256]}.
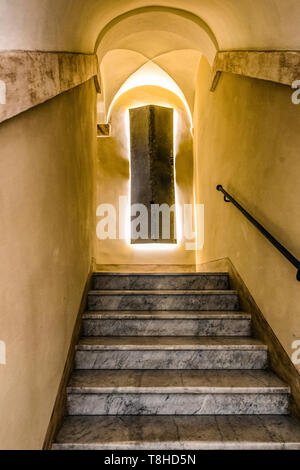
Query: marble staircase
{"type": "Point", "coordinates": [167, 361]}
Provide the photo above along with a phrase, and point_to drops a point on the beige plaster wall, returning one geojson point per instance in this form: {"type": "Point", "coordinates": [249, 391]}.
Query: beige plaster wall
{"type": "Point", "coordinates": [247, 139]}
{"type": "Point", "coordinates": [113, 178]}
{"type": "Point", "coordinates": [47, 216]}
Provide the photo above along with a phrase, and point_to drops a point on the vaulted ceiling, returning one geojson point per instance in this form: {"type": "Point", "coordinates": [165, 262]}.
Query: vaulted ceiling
{"type": "Point", "coordinates": [74, 25]}
{"type": "Point", "coordinates": [128, 34]}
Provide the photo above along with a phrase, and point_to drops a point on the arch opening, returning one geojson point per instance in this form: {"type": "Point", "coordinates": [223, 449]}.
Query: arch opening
{"type": "Point", "coordinates": [170, 39]}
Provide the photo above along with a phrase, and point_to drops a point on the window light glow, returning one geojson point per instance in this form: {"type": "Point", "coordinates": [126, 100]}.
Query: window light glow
{"type": "Point", "coordinates": [151, 75]}
{"type": "Point", "coordinates": [152, 246]}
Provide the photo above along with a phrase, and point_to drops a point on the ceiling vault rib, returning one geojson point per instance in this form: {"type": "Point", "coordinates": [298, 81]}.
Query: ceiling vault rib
{"type": "Point", "coordinates": [175, 11]}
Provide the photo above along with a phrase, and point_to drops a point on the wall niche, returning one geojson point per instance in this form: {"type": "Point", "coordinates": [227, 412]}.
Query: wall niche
{"type": "Point", "coordinates": [152, 174]}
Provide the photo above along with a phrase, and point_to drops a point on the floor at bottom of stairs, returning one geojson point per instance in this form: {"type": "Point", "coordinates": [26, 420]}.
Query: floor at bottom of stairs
{"type": "Point", "coordinates": [179, 433]}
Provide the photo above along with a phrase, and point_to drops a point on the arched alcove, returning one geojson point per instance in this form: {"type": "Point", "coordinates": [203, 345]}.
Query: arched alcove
{"type": "Point", "coordinates": [113, 177]}
{"type": "Point", "coordinates": [153, 41]}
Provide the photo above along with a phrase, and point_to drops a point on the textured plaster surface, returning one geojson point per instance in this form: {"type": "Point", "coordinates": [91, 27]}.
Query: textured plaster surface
{"type": "Point", "coordinates": [247, 139]}
{"type": "Point", "coordinates": [47, 219]}
{"type": "Point", "coordinates": [280, 67]}
{"type": "Point", "coordinates": [32, 78]}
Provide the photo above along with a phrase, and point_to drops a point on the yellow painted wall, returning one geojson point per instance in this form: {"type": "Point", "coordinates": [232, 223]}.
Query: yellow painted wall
{"type": "Point", "coordinates": [247, 139]}
{"type": "Point", "coordinates": [113, 173]}
{"type": "Point", "coordinates": [46, 237]}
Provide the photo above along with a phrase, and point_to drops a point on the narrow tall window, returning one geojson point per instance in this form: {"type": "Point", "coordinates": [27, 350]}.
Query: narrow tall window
{"type": "Point", "coordinates": [152, 174]}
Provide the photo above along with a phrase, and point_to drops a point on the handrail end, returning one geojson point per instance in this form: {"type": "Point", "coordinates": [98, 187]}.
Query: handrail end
{"type": "Point", "coordinates": [219, 187]}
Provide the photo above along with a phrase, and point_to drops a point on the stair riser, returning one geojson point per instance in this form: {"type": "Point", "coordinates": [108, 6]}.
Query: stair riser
{"type": "Point", "coordinates": [161, 282]}
{"type": "Point", "coordinates": [148, 302]}
{"type": "Point", "coordinates": [173, 327]}
{"type": "Point", "coordinates": [180, 446]}
{"type": "Point", "coordinates": [170, 359]}
{"type": "Point", "coordinates": [176, 404]}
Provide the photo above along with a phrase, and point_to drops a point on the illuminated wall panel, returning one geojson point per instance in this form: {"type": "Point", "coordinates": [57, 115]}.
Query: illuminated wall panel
{"type": "Point", "coordinates": [152, 171]}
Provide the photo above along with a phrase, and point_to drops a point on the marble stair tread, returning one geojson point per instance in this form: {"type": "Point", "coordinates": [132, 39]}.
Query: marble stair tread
{"type": "Point", "coordinates": [185, 343]}
{"type": "Point", "coordinates": [175, 274]}
{"type": "Point", "coordinates": [273, 432]}
{"type": "Point", "coordinates": [172, 381]}
{"type": "Point", "coordinates": [165, 315]}
{"type": "Point", "coordinates": [128, 300]}
{"type": "Point", "coordinates": [163, 292]}
{"type": "Point", "coordinates": [160, 281]}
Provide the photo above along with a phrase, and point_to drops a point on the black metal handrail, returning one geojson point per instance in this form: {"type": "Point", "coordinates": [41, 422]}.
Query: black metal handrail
{"type": "Point", "coordinates": [295, 262]}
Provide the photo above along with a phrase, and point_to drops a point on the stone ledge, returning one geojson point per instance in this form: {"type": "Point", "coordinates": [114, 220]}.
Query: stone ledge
{"type": "Point", "coordinates": [31, 78]}
{"type": "Point", "coordinates": [280, 66]}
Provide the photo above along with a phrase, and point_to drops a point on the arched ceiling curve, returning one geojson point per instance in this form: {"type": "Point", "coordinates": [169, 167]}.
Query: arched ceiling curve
{"type": "Point", "coordinates": [128, 63]}
{"type": "Point", "coordinates": [74, 25]}
{"type": "Point", "coordinates": [153, 32]}
{"type": "Point", "coordinates": [152, 43]}
{"type": "Point", "coordinates": [135, 66]}
{"type": "Point", "coordinates": [159, 41]}
{"type": "Point", "coordinates": [150, 74]}
{"type": "Point", "coordinates": [148, 24]}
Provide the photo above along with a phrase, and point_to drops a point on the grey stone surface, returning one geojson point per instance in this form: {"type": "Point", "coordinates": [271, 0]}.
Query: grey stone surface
{"type": "Point", "coordinates": [179, 433]}
{"type": "Point", "coordinates": [166, 324]}
{"type": "Point", "coordinates": [173, 381]}
{"type": "Point", "coordinates": [165, 315]}
{"type": "Point", "coordinates": [206, 359]}
{"type": "Point", "coordinates": [276, 66]}
{"type": "Point", "coordinates": [172, 358]}
{"type": "Point", "coordinates": [170, 343]}
{"type": "Point", "coordinates": [170, 369]}
{"type": "Point", "coordinates": [176, 392]}
{"type": "Point", "coordinates": [33, 77]}
{"type": "Point", "coordinates": [152, 167]}
{"type": "Point", "coordinates": [170, 353]}
{"type": "Point", "coordinates": [176, 404]}
{"type": "Point", "coordinates": [200, 281]}
{"type": "Point", "coordinates": [163, 300]}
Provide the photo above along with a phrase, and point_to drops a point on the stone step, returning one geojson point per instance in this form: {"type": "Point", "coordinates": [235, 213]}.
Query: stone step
{"type": "Point", "coordinates": [162, 392]}
{"type": "Point", "coordinates": [170, 353]}
{"type": "Point", "coordinates": [179, 433]}
{"type": "Point", "coordinates": [160, 281]}
{"type": "Point", "coordinates": [202, 300]}
{"type": "Point", "coordinates": [166, 323]}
